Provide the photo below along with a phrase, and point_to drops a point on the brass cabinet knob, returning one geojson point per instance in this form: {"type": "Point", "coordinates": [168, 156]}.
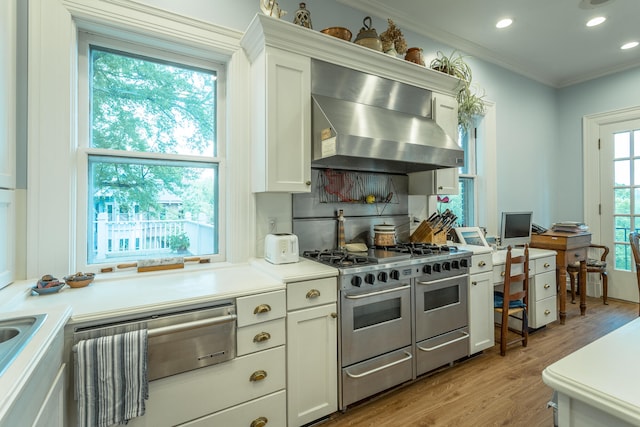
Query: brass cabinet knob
{"type": "Point", "coordinates": [547, 312]}
{"type": "Point", "coordinates": [474, 283]}
{"type": "Point", "coordinates": [334, 315]}
{"type": "Point", "coordinates": [258, 375]}
{"type": "Point", "coordinates": [307, 183]}
{"type": "Point", "coordinates": [259, 422]}
{"type": "Point", "coordinates": [262, 308]}
{"type": "Point", "coordinates": [547, 286]}
{"type": "Point", "coordinates": [502, 274]}
{"type": "Point", "coordinates": [262, 336]}
{"type": "Point", "coordinates": [482, 264]}
{"type": "Point", "coordinates": [547, 265]}
{"type": "Point", "coordinates": [313, 293]}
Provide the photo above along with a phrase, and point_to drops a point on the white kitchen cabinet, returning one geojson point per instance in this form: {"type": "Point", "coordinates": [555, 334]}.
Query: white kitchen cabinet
{"type": "Point", "coordinates": [542, 284]}
{"type": "Point", "coordinates": [7, 236]}
{"type": "Point", "coordinates": [281, 121]}
{"type": "Point", "coordinates": [312, 342]}
{"type": "Point", "coordinates": [52, 409]}
{"type": "Point", "coordinates": [439, 181]}
{"type": "Point", "coordinates": [8, 23]}
{"type": "Point", "coordinates": [248, 388]}
{"type": "Point", "coordinates": [481, 321]}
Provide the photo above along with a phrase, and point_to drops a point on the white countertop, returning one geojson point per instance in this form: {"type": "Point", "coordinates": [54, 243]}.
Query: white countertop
{"type": "Point", "coordinates": [22, 367]}
{"type": "Point", "coordinates": [113, 295]}
{"type": "Point", "coordinates": [604, 374]}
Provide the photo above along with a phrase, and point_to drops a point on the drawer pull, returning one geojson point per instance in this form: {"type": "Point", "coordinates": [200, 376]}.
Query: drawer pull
{"type": "Point", "coordinates": [547, 312]}
{"type": "Point", "coordinates": [474, 283]}
{"type": "Point", "coordinates": [482, 264]}
{"type": "Point", "coordinates": [502, 274]}
{"type": "Point", "coordinates": [259, 422]}
{"type": "Point", "coordinates": [262, 308]}
{"type": "Point", "coordinates": [262, 336]}
{"type": "Point", "coordinates": [334, 315]}
{"type": "Point", "coordinates": [577, 255]}
{"type": "Point", "coordinates": [547, 265]}
{"type": "Point", "coordinates": [313, 293]}
{"type": "Point", "coordinates": [258, 375]}
{"type": "Point", "coordinates": [547, 286]}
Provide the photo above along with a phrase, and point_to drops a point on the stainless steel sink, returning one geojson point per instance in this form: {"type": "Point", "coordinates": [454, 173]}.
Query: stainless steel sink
{"type": "Point", "coordinates": [15, 333]}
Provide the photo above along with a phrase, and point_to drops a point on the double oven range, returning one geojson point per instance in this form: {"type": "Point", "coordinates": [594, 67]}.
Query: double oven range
{"type": "Point", "coordinates": [403, 312]}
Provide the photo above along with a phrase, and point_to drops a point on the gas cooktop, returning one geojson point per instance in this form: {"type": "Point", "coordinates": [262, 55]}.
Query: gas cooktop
{"type": "Point", "coordinates": [380, 255]}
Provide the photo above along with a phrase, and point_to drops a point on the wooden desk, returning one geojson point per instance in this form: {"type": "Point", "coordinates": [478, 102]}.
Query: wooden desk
{"type": "Point", "coordinates": [570, 248]}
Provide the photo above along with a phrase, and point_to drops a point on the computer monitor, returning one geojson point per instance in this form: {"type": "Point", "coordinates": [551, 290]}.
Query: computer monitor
{"type": "Point", "coordinates": [515, 229]}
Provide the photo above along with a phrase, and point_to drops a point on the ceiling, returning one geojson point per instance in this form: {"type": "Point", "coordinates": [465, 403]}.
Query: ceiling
{"type": "Point", "coordinates": [548, 41]}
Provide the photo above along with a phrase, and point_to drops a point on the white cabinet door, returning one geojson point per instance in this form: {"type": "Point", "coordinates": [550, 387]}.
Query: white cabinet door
{"type": "Point", "coordinates": [481, 321]}
{"type": "Point", "coordinates": [282, 122]}
{"type": "Point", "coordinates": [8, 10]}
{"type": "Point", "coordinates": [312, 364]}
{"type": "Point", "coordinates": [7, 236]}
{"type": "Point", "coordinates": [439, 181]}
{"type": "Point", "coordinates": [52, 409]}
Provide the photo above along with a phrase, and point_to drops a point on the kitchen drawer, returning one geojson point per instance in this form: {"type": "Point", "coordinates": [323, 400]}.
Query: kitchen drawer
{"type": "Point", "coordinates": [545, 264]}
{"type": "Point", "coordinates": [261, 336]}
{"type": "Point", "coordinates": [498, 272]}
{"type": "Point", "coordinates": [270, 410]}
{"type": "Point", "coordinates": [544, 285]}
{"type": "Point", "coordinates": [481, 263]}
{"type": "Point", "coordinates": [261, 308]}
{"type": "Point", "coordinates": [545, 311]}
{"type": "Point", "coordinates": [202, 392]}
{"type": "Point", "coordinates": [311, 293]}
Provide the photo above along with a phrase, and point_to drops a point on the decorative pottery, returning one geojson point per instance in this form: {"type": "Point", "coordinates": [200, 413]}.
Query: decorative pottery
{"type": "Point", "coordinates": [414, 54]}
{"type": "Point", "coordinates": [303, 16]}
{"type": "Point", "coordinates": [368, 37]}
{"type": "Point", "coordinates": [339, 32]}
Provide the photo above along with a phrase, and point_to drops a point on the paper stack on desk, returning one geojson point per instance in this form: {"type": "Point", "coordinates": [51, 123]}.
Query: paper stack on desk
{"type": "Point", "coordinates": [570, 227]}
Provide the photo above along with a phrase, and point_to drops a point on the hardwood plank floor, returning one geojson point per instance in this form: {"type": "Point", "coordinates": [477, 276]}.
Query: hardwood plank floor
{"type": "Point", "coordinates": [488, 389]}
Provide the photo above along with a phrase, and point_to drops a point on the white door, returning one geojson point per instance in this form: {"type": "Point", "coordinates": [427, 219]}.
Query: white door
{"type": "Point", "coordinates": [620, 202]}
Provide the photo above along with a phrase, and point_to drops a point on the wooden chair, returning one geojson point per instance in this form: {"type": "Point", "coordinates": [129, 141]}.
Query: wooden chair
{"type": "Point", "coordinates": [593, 266]}
{"type": "Point", "coordinates": [513, 300]}
{"type": "Point", "coordinates": [634, 239]}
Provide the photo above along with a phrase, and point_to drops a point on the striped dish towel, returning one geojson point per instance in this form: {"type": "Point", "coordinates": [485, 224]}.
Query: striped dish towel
{"type": "Point", "coordinates": [111, 378]}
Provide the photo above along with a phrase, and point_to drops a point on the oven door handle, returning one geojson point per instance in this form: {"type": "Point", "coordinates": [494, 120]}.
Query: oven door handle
{"type": "Point", "coordinates": [464, 336]}
{"type": "Point", "coordinates": [180, 327]}
{"type": "Point", "coordinates": [379, 368]}
{"type": "Point", "coordinates": [371, 294]}
{"type": "Point", "coordinates": [431, 282]}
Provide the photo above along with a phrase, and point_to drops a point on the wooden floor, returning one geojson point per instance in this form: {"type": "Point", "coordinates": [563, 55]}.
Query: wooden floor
{"type": "Point", "coordinates": [490, 390]}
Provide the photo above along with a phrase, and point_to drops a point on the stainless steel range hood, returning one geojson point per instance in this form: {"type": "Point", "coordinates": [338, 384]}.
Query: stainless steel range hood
{"type": "Point", "coordinates": [365, 122]}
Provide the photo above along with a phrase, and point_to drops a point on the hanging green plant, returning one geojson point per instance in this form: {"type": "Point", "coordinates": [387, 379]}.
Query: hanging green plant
{"type": "Point", "coordinates": [470, 104]}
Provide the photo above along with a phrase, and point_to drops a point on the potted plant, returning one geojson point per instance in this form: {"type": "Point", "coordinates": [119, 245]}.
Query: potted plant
{"type": "Point", "coordinates": [393, 41]}
{"type": "Point", "coordinates": [178, 242]}
{"type": "Point", "coordinates": [470, 104]}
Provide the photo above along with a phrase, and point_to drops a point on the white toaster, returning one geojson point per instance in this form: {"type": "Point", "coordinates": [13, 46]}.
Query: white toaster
{"type": "Point", "coordinates": [281, 248]}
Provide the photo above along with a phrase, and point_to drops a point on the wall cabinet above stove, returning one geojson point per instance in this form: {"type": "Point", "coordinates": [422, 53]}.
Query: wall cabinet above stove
{"type": "Point", "coordinates": [280, 54]}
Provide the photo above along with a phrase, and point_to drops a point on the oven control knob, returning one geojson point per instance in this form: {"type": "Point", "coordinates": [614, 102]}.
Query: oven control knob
{"type": "Point", "coordinates": [464, 263]}
{"type": "Point", "coordinates": [394, 274]}
{"type": "Point", "coordinates": [455, 265]}
{"type": "Point", "coordinates": [370, 278]}
{"type": "Point", "coordinates": [356, 281]}
{"type": "Point", "coordinates": [427, 269]}
{"type": "Point", "coordinates": [382, 276]}
{"type": "Point", "coordinates": [436, 267]}
{"type": "Point", "coordinates": [446, 266]}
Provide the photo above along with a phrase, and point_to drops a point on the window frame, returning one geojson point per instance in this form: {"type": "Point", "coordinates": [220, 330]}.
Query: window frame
{"type": "Point", "coordinates": [164, 52]}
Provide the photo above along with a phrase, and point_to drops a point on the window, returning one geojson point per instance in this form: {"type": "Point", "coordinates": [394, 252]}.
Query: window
{"type": "Point", "coordinates": [463, 204]}
{"type": "Point", "coordinates": [150, 158]}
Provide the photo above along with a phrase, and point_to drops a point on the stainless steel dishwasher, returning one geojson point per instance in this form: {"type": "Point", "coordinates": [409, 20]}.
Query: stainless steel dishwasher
{"type": "Point", "coordinates": [178, 341]}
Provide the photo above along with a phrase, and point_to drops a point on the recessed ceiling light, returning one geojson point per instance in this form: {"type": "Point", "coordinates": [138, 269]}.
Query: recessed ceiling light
{"type": "Point", "coordinates": [596, 21]}
{"type": "Point", "coordinates": [504, 23]}
{"type": "Point", "coordinates": [629, 45]}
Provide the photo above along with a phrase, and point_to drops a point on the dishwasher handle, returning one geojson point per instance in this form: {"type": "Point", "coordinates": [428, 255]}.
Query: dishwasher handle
{"type": "Point", "coordinates": [181, 327]}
